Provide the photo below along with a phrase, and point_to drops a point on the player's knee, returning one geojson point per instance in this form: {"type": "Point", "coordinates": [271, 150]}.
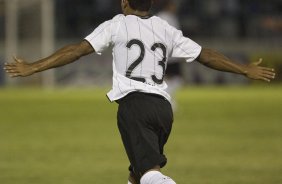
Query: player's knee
{"type": "Point", "coordinates": [156, 177]}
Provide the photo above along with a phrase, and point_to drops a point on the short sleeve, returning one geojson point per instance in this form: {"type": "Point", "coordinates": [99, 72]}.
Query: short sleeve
{"type": "Point", "coordinates": [101, 37]}
{"type": "Point", "coordinates": [184, 47]}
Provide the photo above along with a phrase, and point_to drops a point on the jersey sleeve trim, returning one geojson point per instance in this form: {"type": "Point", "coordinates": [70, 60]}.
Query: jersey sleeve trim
{"type": "Point", "coordinates": [199, 50]}
{"type": "Point", "coordinates": [100, 38]}
{"type": "Point", "coordinates": [91, 46]}
{"type": "Point", "coordinates": [184, 47]}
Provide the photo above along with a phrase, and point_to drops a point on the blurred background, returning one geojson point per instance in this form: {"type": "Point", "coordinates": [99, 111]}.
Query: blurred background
{"type": "Point", "coordinates": [245, 30]}
{"type": "Point", "coordinates": [58, 126]}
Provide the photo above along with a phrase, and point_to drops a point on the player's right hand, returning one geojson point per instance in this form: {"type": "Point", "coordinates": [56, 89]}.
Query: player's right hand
{"type": "Point", "coordinates": [19, 68]}
{"type": "Point", "coordinates": [257, 72]}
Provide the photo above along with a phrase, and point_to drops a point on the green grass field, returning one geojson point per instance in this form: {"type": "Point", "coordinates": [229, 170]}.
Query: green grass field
{"type": "Point", "coordinates": [221, 136]}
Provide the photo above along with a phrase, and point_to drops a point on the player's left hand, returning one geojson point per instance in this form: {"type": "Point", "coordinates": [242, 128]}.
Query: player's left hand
{"type": "Point", "coordinates": [257, 72]}
{"type": "Point", "coordinates": [19, 68]}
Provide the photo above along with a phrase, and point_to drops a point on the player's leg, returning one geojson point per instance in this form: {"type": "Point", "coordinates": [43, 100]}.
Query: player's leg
{"type": "Point", "coordinates": [145, 124]}
{"type": "Point", "coordinates": [154, 175]}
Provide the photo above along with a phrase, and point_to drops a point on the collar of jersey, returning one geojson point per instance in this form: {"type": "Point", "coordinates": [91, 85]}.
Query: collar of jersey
{"type": "Point", "coordinates": [143, 17]}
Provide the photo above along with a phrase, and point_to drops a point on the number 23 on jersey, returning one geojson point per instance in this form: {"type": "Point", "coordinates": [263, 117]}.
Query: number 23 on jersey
{"type": "Point", "coordinates": [139, 60]}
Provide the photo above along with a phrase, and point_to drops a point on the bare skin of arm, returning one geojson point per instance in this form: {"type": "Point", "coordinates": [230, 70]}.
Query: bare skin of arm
{"type": "Point", "coordinates": [217, 61]}
{"type": "Point", "coordinates": [64, 56]}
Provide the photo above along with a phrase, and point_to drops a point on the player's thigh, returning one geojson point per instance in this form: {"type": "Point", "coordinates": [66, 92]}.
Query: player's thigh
{"type": "Point", "coordinates": [145, 123]}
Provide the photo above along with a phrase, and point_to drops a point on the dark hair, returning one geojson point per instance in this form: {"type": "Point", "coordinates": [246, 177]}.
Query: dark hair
{"type": "Point", "coordinates": [141, 5]}
{"type": "Point", "coordinates": [160, 5]}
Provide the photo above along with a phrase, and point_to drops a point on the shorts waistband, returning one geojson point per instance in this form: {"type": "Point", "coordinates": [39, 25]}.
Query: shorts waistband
{"type": "Point", "coordinates": [141, 93]}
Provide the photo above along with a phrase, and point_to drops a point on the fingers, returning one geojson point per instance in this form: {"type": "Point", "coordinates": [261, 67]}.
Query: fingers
{"type": "Point", "coordinates": [267, 69]}
{"type": "Point", "coordinates": [8, 68]}
{"type": "Point", "coordinates": [264, 68]}
{"type": "Point", "coordinates": [10, 64]}
{"type": "Point", "coordinates": [11, 69]}
{"type": "Point", "coordinates": [17, 59]}
{"type": "Point", "coordinates": [266, 76]}
{"type": "Point", "coordinates": [269, 76]}
{"type": "Point", "coordinates": [17, 68]}
{"type": "Point", "coordinates": [13, 73]}
{"type": "Point", "coordinates": [269, 73]}
{"type": "Point", "coordinates": [259, 62]}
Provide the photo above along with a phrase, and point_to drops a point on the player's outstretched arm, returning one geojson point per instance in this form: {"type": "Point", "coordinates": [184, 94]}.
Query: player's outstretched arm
{"type": "Point", "coordinates": [66, 55]}
{"type": "Point", "coordinates": [217, 61]}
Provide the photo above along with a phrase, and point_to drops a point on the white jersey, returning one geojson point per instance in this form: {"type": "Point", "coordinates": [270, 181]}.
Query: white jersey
{"type": "Point", "coordinates": [141, 48]}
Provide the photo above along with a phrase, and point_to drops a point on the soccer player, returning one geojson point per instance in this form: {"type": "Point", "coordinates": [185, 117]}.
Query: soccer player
{"type": "Point", "coordinates": [141, 45]}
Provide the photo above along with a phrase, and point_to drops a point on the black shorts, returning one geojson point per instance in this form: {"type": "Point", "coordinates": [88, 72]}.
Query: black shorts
{"type": "Point", "coordinates": [145, 122]}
